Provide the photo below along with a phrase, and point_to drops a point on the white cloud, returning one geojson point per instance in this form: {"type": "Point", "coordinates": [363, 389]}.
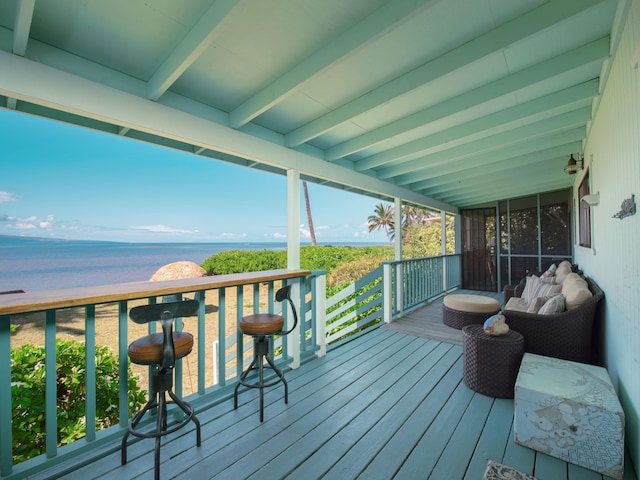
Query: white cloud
{"type": "Point", "coordinates": [304, 232]}
{"type": "Point", "coordinates": [29, 223]}
{"type": "Point", "coordinates": [232, 236]}
{"type": "Point", "coordinates": [162, 229]}
{"type": "Point", "coordinates": [7, 197]}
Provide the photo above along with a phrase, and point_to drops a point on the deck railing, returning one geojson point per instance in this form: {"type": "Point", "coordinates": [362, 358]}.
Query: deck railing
{"type": "Point", "coordinates": [389, 291]}
{"type": "Point", "coordinates": [413, 282]}
{"type": "Point", "coordinates": [219, 358]}
{"type": "Point", "coordinates": [220, 351]}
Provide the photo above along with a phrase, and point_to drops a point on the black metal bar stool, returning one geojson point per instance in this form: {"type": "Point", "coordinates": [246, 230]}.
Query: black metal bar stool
{"type": "Point", "coordinates": [161, 350]}
{"type": "Point", "coordinates": [262, 327]}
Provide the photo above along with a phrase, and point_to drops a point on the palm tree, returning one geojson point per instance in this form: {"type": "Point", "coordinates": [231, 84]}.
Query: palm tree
{"type": "Point", "coordinates": [382, 219]}
{"type": "Point", "coordinates": [312, 232]}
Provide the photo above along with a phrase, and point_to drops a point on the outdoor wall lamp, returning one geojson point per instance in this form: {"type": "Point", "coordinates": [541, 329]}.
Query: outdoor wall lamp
{"type": "Point", "coordinates": [573, 166]}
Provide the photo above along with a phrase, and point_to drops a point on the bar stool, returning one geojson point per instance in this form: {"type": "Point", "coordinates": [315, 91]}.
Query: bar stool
{"type": "Point", "coordinates": [262, 327]}
{"type": "Point", "coordinates": [161, 350]}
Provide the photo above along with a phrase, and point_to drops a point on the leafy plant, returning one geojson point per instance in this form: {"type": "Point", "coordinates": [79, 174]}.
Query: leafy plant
{"type": "Point", "coordinates": [311, 258]}
{"type": "Point", "coordinates": [28, 393]}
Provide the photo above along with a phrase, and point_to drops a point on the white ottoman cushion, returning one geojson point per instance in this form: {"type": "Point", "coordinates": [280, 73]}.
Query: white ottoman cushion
{"type": "Point", "coordinates": [471, 303]}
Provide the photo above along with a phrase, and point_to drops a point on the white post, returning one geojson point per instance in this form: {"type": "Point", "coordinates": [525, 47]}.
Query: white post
{"type": "Point", "coordinates": [320, 314]}
{"type": "Point", "coordinates": [215, 361]}
{"type": "Point", "coordinates": [397, 214]}
{"type": "Point", "coordinates": [397, 210]}
{"type": "Point", "coordinates": [293, 257]}
{"type": "Point", "coordinates": [387, 303]}
{"type": "Point", "coordinates": [443, 241]}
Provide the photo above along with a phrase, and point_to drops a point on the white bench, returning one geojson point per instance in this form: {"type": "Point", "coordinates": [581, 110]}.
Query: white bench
{"type": "Point", "coordinates": [570, 411]}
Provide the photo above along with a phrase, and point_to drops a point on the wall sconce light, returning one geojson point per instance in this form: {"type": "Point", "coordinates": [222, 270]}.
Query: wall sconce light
{"type": "Point", "coordinates": [592, 199]}
{"type": "Point", "coordinates": [574, 165]}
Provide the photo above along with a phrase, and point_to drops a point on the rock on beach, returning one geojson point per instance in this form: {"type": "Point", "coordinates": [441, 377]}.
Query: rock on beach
{"type": "Point", "coordinates": [176, 270]}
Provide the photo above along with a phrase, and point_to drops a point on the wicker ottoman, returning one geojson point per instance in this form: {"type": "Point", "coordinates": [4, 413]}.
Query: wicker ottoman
{"type": "Point", "coordinates": [460, 309]}
{"type": "Point", "coordinates": [491, 364]}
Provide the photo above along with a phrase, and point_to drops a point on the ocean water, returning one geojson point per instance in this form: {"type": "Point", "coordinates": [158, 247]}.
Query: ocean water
{"type": "Point", "coordinates": [35, 264]}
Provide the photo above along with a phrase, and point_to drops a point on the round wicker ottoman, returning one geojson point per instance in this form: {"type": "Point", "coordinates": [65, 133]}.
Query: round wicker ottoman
{"type": "Point", "coordinates": [491, 364]}
{"type": "Point", "coordinates": [461, 309]}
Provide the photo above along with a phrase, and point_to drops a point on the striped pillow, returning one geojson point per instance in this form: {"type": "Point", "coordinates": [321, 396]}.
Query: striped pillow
{"type": "Point", "coordinates": [554, 305]}
{"type": "Point", "coordinates": [541, 289]}
{"type": "Point", "coordinates": [536, 304]}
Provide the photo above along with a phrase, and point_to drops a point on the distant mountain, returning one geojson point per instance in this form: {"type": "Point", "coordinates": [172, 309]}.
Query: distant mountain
{"type": "Point", "coordinates": [21, 240]}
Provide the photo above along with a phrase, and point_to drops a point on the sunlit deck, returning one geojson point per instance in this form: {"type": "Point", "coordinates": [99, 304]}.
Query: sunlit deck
{"type": "Point", "coordinates": [383, 405]}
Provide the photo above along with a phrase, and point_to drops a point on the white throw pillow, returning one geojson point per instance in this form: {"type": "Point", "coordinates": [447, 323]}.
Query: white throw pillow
{"type": "Point", "coordinates": [530, 282]}
{"type": "Point", "coordinates": [554, 305]}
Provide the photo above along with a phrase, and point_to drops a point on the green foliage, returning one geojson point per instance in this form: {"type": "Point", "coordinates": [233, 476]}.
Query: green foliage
{"type": "Point", "coordinates": [28, 393]}
{"type": "Point", "coordinates": [239, 261]}
{"type": "Point", "coordinates": [311, 258]}
{"type": "Point", "coordinates": [346, 273]}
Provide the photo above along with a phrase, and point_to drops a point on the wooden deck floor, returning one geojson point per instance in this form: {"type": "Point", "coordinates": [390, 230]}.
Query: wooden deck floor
{"type": "Point", "coordinates": [384, 405]}
{"type": "Point", "coordinates": [426, 322]}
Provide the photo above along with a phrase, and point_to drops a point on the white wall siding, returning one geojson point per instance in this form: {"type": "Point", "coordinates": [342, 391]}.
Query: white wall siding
{"type": "Point", "coordinates": [613, 155]}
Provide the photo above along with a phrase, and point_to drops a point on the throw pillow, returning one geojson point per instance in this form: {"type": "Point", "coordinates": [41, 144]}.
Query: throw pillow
{"type": "Point", "coordinates": [536, 304]}
{"type": "Point", "coordinates": [555, 304]}
{"type": "Point", "coordinates": [540, 289]}
{"type": "Point", "coordinates": [562, 271]}
{"type": "Point", "coordinates": [530, 281]}
{"type": "Point", "coordinates": [550, 271]}
{"type": "Point", "coordinates": [576, 291]}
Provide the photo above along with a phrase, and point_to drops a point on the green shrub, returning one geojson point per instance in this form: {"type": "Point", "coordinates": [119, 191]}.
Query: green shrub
{"type": "Point", "coordinates": [28, 395]}
{"type": "Point", "coordinates": [311, 258]}
{"type": "Point", "coordinates": [240, 261]}
{"type": "Point", "coordinates": [346, 273]}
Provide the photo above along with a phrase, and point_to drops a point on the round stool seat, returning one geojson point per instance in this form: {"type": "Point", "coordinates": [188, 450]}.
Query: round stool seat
{"type": "Point", "coordinates": [148, 350]}
{"type": "Point", "coordinates": [471, 303]}
{"type": "Point", "coordinates": [261, 324]}
{"type": "Point", "coordinates": [491, 363]}
{"type": "Point", "coordinates": [460, 309]}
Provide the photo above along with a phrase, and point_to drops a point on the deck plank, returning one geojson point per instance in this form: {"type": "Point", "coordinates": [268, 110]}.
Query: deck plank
{"type": "Point", "coordinates": [433, 421]}
{"type": "Point", "coordinates": [463, 442]}
{"type": "Point", "coordinates": [336, 419]}
{"type": "Point", "coordinates": [493, 441]}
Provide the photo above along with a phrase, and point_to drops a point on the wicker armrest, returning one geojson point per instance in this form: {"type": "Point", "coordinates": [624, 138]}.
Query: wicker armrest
{"type": "Point", "coordinates": [508, 291]}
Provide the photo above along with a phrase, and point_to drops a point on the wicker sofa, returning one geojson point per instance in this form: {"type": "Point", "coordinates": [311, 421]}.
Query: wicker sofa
{"type": "Point", "coordinates": [567, 335]}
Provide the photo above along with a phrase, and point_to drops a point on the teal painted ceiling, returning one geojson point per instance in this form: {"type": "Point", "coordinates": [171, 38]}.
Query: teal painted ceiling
{"type": "Point", "coordinates": [458, 101]}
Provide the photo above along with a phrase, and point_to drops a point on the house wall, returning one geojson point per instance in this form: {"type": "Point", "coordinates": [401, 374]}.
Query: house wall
{"type": "Point", "coordinates": [612, 154]}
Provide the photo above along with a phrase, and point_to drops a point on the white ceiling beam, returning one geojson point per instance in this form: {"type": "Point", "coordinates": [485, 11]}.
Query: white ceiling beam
{"type": "Point", "coordinates": [506, 34]}
{"type": "Point", "coordinates": [22, 79]}
{"type": "Point", "coordinates": [203, 33]}
{"type": "Point", "coordinates": [491, 143]}
{"type": "Point", "coordinates": [440, 184]}
{"type": "Point", "coordinates": [526, 147]}
{"type": "Point", "coordinates": [22, 27]}
{"type": "Point", "coordinates": [582, 93]}
{"type": "Point", "coordinates": [591, 52]}
{"type": "Point", "coordinates": [344, 45]}
{"type": "Point", "coordinates": [512, 172]}
{"type": "Point", "coordinates": [535, 186]}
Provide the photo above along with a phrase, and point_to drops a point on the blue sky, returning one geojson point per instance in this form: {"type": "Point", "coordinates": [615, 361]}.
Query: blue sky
{"type": "Point", "coordinates": [63, 181]}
